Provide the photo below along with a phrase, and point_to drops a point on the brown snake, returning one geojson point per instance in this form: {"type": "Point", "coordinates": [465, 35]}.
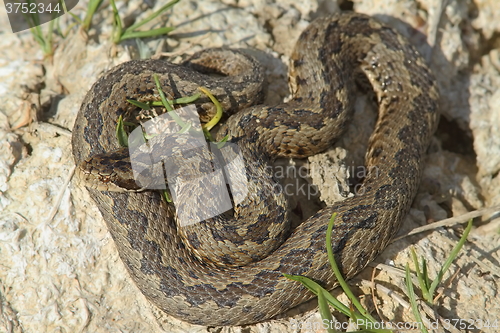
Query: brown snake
{"type": "Point", "coordinates": [229, 285]}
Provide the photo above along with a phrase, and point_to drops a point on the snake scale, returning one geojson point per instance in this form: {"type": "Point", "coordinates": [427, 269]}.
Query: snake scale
{"type": "Point", "coordinates": [229, 285]}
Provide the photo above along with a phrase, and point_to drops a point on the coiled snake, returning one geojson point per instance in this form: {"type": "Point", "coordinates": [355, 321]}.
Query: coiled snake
{"type": "Point", "coordinates": [207, 274]}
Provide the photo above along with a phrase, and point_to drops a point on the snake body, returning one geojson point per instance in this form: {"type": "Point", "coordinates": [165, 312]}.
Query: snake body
{"type": "Point", "coordinates": [231, 286]}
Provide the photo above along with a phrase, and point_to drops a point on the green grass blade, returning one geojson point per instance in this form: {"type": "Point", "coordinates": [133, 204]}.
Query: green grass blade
{"type": "Point", "coordinates": [452, 257]}
{"type": "Point", "coordinates": [185, 129]}
{"type": "Point", "coordinates": [314, 287]}
{"type": "Point", "coordinates": [422, 279]}
{"type": "Point", "coordinates": [324, 310]}
{"type": "Point", "coordinates": [91, 9]}
{"type": "Point", "coordinates": [153, 15]}
{"type": "Point", "coordinates": [48, 38]}
{"type": "Point", "coordinates": [413, 300]}
{"type": "Point", "coordinates": [141, 105]}
{"type": "Point", "coordinates": [324, 297]}
{"type": "Point", "coordinates": [338, 274]}
{"type": "Point", "coordinates": [166, 196]}
{"type": "Point", "coordinates": [32, 18]}
{"type": "Point", "coordinates": [146, 34]}
{"type": "Point", "coordinates": [164, 101]}
{"type": "Point", "coordinates": [65, 9]}
{"type": "Point", "coordinates": [36, 34]}
{"type": "Point", "coordinates": [121, 134]}
{"type": "Point", "coordinates": [425, 273]}
{"type": "Point", "coordinates": [168, 106]}
{"type": "Point", "coordinates": [222, 142]}
{"type": "Point", "coordinates": [117, 23]}
{"type": "Point", "coordinates": [187, 99]}
{"type": "Point", "coordinates": [182, 100]}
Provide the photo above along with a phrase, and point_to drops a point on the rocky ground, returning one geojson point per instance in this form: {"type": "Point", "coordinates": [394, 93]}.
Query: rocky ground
{"type": "Point", "coordinates": [60, 271]}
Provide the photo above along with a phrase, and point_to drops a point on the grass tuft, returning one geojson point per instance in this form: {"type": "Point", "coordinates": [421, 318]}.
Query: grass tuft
{"type": "Point", "coordinates": [120, 34]}
{"type": "Point", "coordinates": [361, 315]}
